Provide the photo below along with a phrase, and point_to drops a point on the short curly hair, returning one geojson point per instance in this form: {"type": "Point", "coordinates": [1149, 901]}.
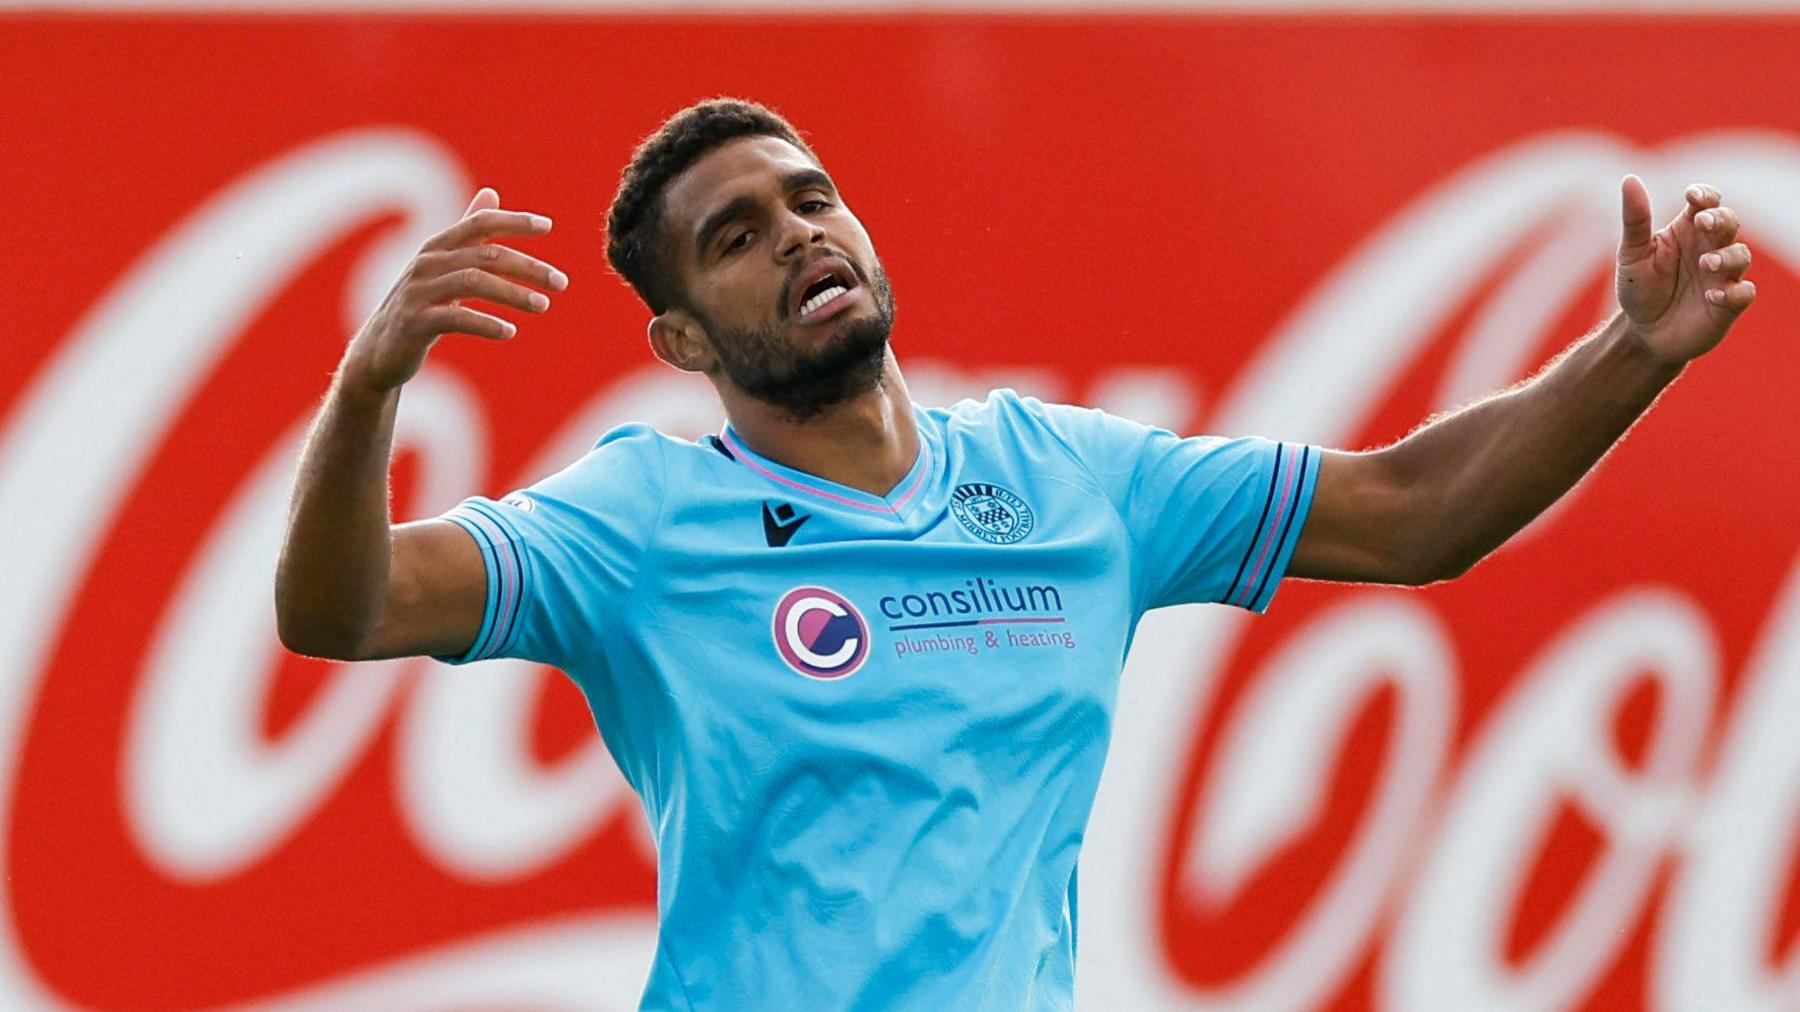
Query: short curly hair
{"type": "Point", "coordinates": [634, 243]}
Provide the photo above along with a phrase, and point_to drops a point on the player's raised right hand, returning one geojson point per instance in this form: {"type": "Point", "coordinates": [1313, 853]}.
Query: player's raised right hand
{"type": "Point", "coordinates": [461, 262]}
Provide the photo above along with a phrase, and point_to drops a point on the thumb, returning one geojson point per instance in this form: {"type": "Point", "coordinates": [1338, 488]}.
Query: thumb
{"type": "Point", "coordinates": [485, 198]}
{"type": "Point", "coordinates": [1635, 212]}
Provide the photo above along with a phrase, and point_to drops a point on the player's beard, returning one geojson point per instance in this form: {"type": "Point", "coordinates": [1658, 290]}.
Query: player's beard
{"type": "Point", "coordinates": [769, 365]}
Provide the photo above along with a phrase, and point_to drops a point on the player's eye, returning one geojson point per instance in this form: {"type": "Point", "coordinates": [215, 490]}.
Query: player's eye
{"type": "Point", "coordinates": [811, 206]}
{"type": "Point", "coordinates": [738, 243]}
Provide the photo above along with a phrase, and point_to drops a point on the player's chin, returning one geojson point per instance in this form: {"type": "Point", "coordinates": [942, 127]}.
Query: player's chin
{"type": "Point", "coordinates": [821, 333]}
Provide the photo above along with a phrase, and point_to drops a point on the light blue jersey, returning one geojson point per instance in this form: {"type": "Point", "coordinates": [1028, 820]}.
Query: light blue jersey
{"type": "Point", "coordinates": [867, 730]}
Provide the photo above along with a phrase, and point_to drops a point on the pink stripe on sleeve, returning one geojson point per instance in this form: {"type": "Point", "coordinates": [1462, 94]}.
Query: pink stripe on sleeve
{"type": "Point", "coordinates": [1290, 465]}
{"type": "Point", "coordinates": [503, 567]}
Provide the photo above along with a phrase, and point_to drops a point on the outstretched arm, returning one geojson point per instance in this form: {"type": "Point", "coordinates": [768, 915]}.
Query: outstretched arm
{"type": "Point", "coordinates": [1432, 505]}
{"type": "Point", "coordinates": [349, 585]}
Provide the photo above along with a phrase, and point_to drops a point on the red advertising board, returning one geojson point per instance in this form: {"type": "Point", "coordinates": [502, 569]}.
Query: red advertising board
{"type": "Point", "coordinates": [1568, 779]}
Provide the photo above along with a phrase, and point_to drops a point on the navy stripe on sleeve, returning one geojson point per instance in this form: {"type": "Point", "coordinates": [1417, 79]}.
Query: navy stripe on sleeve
{"type": "Point", "coordinates": [506, 622]}
{"type": "Point", "coordinates": [1293, 508]}
{"type": "Point", "coordinates": [506, 574]}
{"type": "Point", "coordinates": [1256, 533]}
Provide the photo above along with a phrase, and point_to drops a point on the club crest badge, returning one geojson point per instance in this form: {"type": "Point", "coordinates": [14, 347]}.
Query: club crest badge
{"type": "Point", "coordinates": [991, 513]}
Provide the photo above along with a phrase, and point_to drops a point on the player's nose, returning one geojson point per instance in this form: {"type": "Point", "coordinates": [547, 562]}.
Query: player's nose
{"type": "Point", "coordinates": [795, 235]}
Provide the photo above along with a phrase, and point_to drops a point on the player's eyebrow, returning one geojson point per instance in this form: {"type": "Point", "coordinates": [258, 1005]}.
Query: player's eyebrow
{"type": "Point", "coordinates": [743, 203]}
{"type": "Point", "coordinates": [808, 179]}
{"type": "Point", "coordinates": [734, 208]}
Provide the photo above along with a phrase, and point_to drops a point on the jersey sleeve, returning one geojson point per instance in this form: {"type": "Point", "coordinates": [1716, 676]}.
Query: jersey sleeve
{"type": "Point", "coordinates": [562, 555]}
{"type": "Point", "coordinates": [1211, 519]}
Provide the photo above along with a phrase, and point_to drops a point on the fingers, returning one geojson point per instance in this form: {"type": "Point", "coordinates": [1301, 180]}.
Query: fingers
{"type": "Point", "coordinates": [1734, 297]}
{"type": "Point", "coordinates": [1718, 224]}
{"type": "Point", "coordinates": [485, 197]}
{"type": "Point", "coordinates": [475, 283]}
{"type": "Point", "coordinates": [1725, 265]}
{"type": "Point", "coordinates": [461, 320]}
{"type": "Point", "coordinates": [459, 263]}
{"type": "Point", "coordinates": [487, 223]}
{"type": "Point", "coordinates": [496, 259]}
{"type": "Point", "coordinates": [1732, 261]}
{"type": "Point", "coordinates": [1701, 196]}
{"type": "Point", "coordinates": [1729, 259]}
{"type": "Point", "coordinates": [1634, 242]}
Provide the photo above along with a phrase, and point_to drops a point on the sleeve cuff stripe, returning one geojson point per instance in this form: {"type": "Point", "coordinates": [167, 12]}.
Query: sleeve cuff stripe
{"type": "Point", "coordinates": [505, 573]}
{"type": "Point", "coordinates": [512, 575]}
{"type": "Point", "coordinates": [1266, 537]}
{"type": "Point", "coordinates": [1285, 473]}
{"type": "Point", "coordinates": [1287, 528]}
{"type": "Point", "coordinates": [496, 583]}
{"type": "Point", "coordinates": [1250, 549]}
{"type": "Point", "coordinates": [485, 545]}
{"type": "Point", "coordinates": [521, 581]}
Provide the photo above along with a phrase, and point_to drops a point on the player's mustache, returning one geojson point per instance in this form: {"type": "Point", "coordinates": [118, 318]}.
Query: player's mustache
{"type": "Point", "coordinates": [787, 286]}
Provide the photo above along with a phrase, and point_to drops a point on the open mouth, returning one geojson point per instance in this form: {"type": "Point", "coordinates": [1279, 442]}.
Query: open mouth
{"type": "Point", "coordinates": [821, 284]}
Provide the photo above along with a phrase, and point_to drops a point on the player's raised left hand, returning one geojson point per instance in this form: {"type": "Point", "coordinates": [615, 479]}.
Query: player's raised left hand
{"type": "Point", "coordinates": [1683, 286]}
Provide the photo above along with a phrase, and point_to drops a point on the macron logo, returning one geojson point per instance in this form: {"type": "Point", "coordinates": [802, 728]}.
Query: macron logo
{"type": "Point", "coordinates": [780, 526]}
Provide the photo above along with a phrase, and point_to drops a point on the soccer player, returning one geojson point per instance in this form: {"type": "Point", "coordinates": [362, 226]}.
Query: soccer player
{"type": "Point", "coordinates": [858, 656]}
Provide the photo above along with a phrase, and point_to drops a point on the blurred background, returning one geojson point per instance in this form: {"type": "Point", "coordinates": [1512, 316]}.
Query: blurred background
{"type": "Point", "coordinates": [1570, 779]}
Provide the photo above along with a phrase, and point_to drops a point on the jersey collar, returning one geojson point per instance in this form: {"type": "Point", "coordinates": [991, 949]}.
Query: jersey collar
{"type": "Point", "coordinates": [907, 490]}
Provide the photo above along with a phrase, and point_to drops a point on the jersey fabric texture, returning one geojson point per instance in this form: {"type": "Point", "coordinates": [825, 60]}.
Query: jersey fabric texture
{"type": "Point", "coordinates": [867, 730]}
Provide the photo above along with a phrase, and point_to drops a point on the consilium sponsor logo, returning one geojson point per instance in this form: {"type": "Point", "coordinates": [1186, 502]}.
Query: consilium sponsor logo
{"type": "Point", "coordinates": [819, 633]}
{"type": "Point", "coordinates": [979, 615]}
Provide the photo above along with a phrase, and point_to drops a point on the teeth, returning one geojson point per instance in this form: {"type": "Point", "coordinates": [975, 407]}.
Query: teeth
{"type": "Point", "coordinates": [823, 297]}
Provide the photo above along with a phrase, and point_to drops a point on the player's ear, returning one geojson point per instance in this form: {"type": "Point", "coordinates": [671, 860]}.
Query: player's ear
{"type": "Point", "coordinates": [678, 339]}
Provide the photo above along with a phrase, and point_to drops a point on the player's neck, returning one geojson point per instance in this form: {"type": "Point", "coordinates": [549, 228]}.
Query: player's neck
{"type": "Point", "coordinates": [868, 443]}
